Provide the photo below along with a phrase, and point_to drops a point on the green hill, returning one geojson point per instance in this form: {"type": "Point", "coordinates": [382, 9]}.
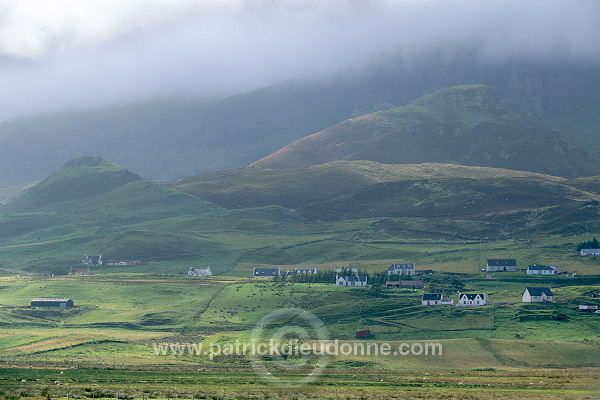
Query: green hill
{"type": "Point", "coordinates": [465, 125]}
{"type": "Point", "coordinates": [80, 178]}
{"type": "Point", "coordinates": [366, 189]}
{"type": "Point", "coordinates": [92, 206]}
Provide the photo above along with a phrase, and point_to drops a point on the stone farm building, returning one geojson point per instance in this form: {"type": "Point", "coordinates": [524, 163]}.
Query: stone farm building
{"type": "Point", "coordinates": [52, 304]}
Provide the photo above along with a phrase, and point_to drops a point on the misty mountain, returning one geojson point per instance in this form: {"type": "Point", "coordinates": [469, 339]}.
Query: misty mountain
{"type": "Point", "coordinates": [465, 125]}
{"type": "Point", "coordinates": [167, 140]}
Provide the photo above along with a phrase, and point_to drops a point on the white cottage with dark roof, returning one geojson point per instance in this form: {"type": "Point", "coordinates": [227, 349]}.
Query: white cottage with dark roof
{"type": "Point", "coordinates": [435, 299]}
{"type": "Point", "coordinates": [401, 269]}
{"type": "Point", "coordinates": [501, 265]}
{"type": "Point", "coordinates": [472, 299]}
{"type": "Point", "coordinates": [360, 281]}
{"type": "Point", "coordinates": [541, 270]}
{"type": "Point", "coordinates": [538, 295]}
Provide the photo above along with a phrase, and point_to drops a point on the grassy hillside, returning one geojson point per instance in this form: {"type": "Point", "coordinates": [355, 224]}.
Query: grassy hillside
{"type": "Point", "coordinates": [481, 201]}
{"type": "Point", "coordinates": [466, 125]}
{"type": "Point", "coordinates": [336, 214]}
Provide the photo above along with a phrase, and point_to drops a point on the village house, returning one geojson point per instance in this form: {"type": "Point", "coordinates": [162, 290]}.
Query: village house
{"type": "Point", "coordinates": [435, 299]}
{"type": "Point", "coordinates": [269, 272]}
{"type": "Point", "coordinates": [79, 271]}
{"type": "Point", "coordinates": [472, 299]}
{"type": "Point", "coordinates": [401, 269]}
{"type": "Point", "coordinates": [541, 270]}
{"type": "Point", "coordinates": [92, 260]}
{"type": "Point", "coordinates": [307, 271]}
{"type": "Point", "coordinates": [501, 265]}
{"type": "Point", "coordinates": [406, 284]}
{"type": "Point", "coordinates": [590, 252]}
{"type": "Point", "coordinates": [124, 262]}
{"type": "Point", "coordinates": [538, 295]}
{"type": "Point", "coordinates": [359, 281]}
{"type": "Point", "coordinates": [200, 272]}
{"type": "Point", "coordinates": [52, 304]}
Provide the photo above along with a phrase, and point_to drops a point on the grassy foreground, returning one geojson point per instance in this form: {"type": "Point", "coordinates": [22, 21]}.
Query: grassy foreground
{"type": "Point", "coordinates": [242, 383]}
{"type": "Point", "coordinates": [105, 346]}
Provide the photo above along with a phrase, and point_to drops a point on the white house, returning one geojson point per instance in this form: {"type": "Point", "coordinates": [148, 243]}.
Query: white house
{"type": "Point", "coordinates": [307, 271]}
{"type": "Point", "coordinates": [435, 299]}
{"type": "Point", "coordinates": [351, 281]}
{"type": "Point", "coordinates": [501, 265]}
{"type": "Point", "coordinates": [401, 269]}
{"type": "Point", "coordinates": [472, 299]}
{"type": "Point", "coordinates": [91, 260]}
{"type": "Point", "coordinates": [590, 252]}
{"type": "Point", "coordinates": [541, 270]}
{"type": "Point", "coordinates": [538, 295]}
{"type": "Point", "coordinates": [200, 272]}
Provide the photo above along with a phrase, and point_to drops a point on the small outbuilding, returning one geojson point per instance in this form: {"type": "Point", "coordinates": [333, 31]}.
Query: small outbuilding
{"type": "Point", "coordinates": [435, 299]}
{"type": "Point", "coordinates": [363, 334]}
{"type": "Point", "coordinates": [52, 304]}
{"type": "Point", "coordinates": [405, 284]}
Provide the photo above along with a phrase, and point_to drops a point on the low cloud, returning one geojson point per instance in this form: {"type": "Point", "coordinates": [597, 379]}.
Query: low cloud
{"type": "Point", "coordinates": [65, 54]}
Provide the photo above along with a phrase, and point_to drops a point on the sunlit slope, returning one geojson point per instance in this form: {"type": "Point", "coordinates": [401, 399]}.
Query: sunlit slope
{"type": "Point", "coordinates": [93, 206]}
{"type": "Point", "coordinates": [465, 125]}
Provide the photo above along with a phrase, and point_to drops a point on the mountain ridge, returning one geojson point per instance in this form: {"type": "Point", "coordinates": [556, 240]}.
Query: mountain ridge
{"type": "Point", "coordinates": [465, 125]}
{"type": "Point", "coordinates": [165, 140]}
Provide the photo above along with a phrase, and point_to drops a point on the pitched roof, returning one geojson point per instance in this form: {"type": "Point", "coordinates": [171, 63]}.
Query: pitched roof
{"type": "Point", "coordinates": [401, 266]}
{"type": "Point", "coordinates": [538, 291]}
{"type": "Point", "coordinates": [540, 267]}
{"type": "Point", "coordinates": [472, 296]}
{"type": "Point", "coordinates": [52, 300]}
{"type": "Point", "coordinates": [502, 262]}
{"type": "Point", "coordinates": [432, 296]}
{"type": "Point", "coordinates": [265, 271]}
{"type": "Point", "coordinates": [361, 278]}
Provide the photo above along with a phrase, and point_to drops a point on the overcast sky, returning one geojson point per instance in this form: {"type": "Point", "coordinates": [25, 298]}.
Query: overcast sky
{"type": "Point", "coordinates": [62, 54]}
